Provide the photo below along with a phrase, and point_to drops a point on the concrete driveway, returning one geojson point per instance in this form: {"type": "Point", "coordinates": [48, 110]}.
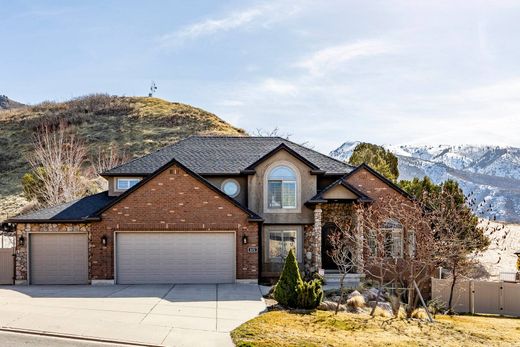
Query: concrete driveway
{"type": "Point", "coordinates": [171, 315]}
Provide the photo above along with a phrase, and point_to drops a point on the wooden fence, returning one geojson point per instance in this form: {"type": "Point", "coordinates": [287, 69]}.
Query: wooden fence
{"type": "Point", "coordinates": [471, 296]}
{"type": "Point", "coordinates": [6, 265]}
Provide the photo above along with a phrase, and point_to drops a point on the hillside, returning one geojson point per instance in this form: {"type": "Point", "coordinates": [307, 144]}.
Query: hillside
{"type": "Point", "coordinates": [136, 125]}
{"type": "Point", "coordinates": [6, 103]}
{"type": "Point", "coordinates": [491, 173]}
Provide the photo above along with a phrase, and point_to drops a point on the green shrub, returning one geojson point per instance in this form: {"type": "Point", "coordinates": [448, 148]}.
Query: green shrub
{"type": "Point", "coordinates": [315, 276]}
{"type": "Point", "coordinates": [285, 289]}
{"type": "Point", "coordinates": [309, 294]}
{"type": "Point", "coordinates": [32, 185]}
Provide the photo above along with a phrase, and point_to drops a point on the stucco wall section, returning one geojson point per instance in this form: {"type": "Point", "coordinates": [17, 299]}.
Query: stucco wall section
{"type": "Point", "coordinates": [242, 181]}
{"type": "Point", "coordinates": [303, 215]}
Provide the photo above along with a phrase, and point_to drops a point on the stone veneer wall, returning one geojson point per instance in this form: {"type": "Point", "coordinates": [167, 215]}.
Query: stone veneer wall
{"type": "Point", "coordinates": [312, 243]}
{"type": "Point", "coordinates": [308, 248]}
{"type": "Point", "coordinates": [26, 228]}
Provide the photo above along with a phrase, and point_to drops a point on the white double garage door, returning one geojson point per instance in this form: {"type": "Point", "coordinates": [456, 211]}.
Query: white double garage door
{"type": "Point", "coordinates": [140, 257]}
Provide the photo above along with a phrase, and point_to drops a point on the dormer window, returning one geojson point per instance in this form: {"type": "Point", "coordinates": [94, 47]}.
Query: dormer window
{"type": "Point", "coordinates": [281, 188]}
{"type": "Point", "coordinates": [126, 183]}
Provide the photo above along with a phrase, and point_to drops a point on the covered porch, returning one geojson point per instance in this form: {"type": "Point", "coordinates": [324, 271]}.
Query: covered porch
{"type": "Point", "coordinates": [335, 213]}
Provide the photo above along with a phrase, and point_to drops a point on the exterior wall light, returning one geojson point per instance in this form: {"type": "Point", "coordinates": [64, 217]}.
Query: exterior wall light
{"type": "Point", "coordinates": [244, 239]}
{"type": "Point", "coordinates": [21, 241]}
{"type": "Point", "coordinates": [104, 240]}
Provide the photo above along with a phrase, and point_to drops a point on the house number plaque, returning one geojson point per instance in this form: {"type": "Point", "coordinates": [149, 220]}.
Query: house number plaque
{"type": "Point", "coordinates": [252, 249]}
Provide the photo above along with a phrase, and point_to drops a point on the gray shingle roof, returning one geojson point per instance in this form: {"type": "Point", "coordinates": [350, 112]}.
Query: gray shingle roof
{"type": "Point", "coordinates": [223, 155]}
{"type": "Point", "coordinates": [76, 210]}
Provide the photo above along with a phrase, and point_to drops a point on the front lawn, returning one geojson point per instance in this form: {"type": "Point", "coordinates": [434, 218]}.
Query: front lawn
{"type": "Point", "coordinates": [322, 328]}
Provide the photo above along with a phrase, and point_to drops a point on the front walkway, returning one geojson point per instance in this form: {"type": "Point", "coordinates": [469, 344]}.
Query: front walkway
{"type": "Point", "coordinates": [180, 315]}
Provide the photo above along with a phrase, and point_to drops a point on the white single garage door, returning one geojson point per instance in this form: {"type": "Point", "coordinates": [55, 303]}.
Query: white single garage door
{"type": "Point", "coordinates": [58, 258]}
{"type": "Point", "coordinates": [175, 257]}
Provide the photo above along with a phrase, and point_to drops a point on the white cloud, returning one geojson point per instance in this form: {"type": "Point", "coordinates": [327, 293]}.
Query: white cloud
{"type": "Point", "coordinates": [232, 21]}
{"type": "Point", "coordinates": [277, 86]}
{"type": "Point", "coordinates": [330, 58]}
{"type": "Point", "coordinates": [262, 14]}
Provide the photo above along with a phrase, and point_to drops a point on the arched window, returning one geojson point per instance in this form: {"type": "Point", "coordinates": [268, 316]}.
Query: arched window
{"type": "Point", "coordinates": [281, 187]}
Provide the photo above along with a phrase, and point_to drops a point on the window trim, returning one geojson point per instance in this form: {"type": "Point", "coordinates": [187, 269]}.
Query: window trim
{"type": "Point", "coordinates": [372, 242]}
{"type": "Point", "coordinates": [411, 239]}
{"type": "Point", "coordinates": [393, 231]}
{"type": "Point", "coordinates": [230, 180]}
{"type": "Point", "coordinates": [128, 179]}
{"type": "Point", "coordinates": [270, 168]}
{"type": "Point", "coordinates": [299, 243]}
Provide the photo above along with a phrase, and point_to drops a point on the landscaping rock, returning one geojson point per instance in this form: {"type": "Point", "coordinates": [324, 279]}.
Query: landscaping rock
{"type": "Point", "coordinates": [331, 306]}
{"type": "Point", "coordinates": [371, 295]}
{"type": "Point", "coordinates": [353, 309]}
{"type": "Point", "coordinates": [275, 307]}
{"type": "Point", "coordinates": [383, 305]}
{"type": "Point", "coordinates": [266, 291]}
{"type": "Point", "coordinates": [335, 298]}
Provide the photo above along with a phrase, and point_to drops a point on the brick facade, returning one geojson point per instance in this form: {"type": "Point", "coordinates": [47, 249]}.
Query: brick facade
{"type": "Point", "coordinates": [173, 200]}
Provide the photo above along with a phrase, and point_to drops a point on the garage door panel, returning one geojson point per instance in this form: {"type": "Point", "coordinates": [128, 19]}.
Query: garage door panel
{"type": "Point", "coordinates": [58, 259]}
{"type": "Point", "coordinates": [175, 257]}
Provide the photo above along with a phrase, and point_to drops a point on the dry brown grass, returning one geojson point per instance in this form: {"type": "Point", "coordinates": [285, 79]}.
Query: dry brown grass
{"type": "Point", "coordinates": [135, 125]}
{"type": "Point", "coordinates": [323, 328]}
{"type": "Point", "coordinates": [379, 312]}
{"type": "Point", "coordinates": [419, 313]}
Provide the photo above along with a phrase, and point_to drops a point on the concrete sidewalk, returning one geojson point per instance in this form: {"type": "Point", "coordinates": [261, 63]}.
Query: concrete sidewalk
{"type": "Point", "coordinates": [172, 315]}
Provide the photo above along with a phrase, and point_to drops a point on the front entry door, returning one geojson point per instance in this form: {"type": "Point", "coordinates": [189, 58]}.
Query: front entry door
{"type": "Point", "coordinates": [326, 260]}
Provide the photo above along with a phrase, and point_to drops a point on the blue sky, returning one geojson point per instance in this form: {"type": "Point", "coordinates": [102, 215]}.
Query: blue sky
{"type": "Point", "coordinates": [393, 72]}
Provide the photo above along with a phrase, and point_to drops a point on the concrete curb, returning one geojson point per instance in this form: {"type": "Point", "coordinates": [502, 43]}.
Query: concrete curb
{"type": "Point", "coordinates": [76, 337]}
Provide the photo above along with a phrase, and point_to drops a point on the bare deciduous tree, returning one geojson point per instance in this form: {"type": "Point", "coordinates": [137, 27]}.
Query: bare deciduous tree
{"type": "Point", "coordinates": [108, 158]}
{"type": "Point", "coordinates": [57, 161]}
{"type": "Point", "coordinates": [344, 240]}
{"type": "Point", "coordinates": [399, 247]}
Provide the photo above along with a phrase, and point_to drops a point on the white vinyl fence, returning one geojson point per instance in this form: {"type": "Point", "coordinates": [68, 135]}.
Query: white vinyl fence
{"type": "Point", "coordinates": [480, 296]}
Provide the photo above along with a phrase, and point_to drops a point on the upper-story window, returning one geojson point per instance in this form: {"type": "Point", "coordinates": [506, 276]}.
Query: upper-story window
{"type": "Point", "coordinates": [230, 187]}
{"type": "Point", "coordinates": [126, 183]}
{"type": "Point", "coordinates": [281, 188]}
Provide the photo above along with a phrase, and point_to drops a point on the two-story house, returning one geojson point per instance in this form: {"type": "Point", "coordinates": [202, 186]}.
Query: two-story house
{"type": "Point", "coordinates": [203, 210]}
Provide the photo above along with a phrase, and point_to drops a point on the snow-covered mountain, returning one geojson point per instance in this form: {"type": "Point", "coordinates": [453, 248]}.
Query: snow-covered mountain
{"type": "Point", "coordinates": [491, 173]}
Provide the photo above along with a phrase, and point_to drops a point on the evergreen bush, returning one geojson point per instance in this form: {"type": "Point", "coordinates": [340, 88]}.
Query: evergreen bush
{"type": "Point", "coordinates": [285, 289]}
{"type": "Point", "coordinates": [309, 293]}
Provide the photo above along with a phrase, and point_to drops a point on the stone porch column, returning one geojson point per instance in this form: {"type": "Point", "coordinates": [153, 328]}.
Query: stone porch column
{"type": "Point", "coordinates": [359, 242]}
{"type": "Point", "coordinates": [316, 240]}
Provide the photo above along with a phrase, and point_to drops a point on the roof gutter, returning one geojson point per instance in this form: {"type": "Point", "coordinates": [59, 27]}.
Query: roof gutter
{"type": "Point", "coordinates": [42, 221]}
